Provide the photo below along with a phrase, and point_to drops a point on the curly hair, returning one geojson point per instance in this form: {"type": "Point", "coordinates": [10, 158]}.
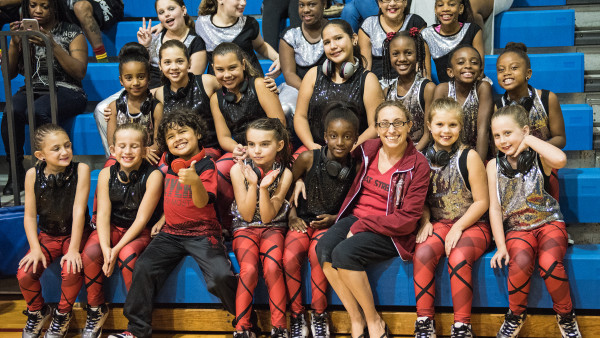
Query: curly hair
{"type": "Point", "coordinates": [178, 118]}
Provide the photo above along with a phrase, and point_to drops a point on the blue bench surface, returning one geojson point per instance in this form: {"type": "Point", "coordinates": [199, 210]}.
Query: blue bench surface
{"type": "Point", "coordinates": [547, 28]}
{"type": "Point", "coordinates": [579, 194]}
{"type": "Point", "coordinates": [391, 280]}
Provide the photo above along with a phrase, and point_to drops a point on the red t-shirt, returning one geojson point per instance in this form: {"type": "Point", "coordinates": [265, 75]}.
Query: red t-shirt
{"type": "Point", "coordinates": [372, 199]}
{"type": "Point", "coordinates": [181, 215]}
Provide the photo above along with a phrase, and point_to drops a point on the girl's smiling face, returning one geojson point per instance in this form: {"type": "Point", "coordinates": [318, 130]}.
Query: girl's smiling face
{"type": "Point", "coordinates": [507, 134]}
{"type": "Point", "coordinates": [338, 45]}
{"type": "Point", "coordinates": [465, 65]}
{"type": "Point", "coordinates": [445, 127]}
{"type": "Point", "coordinates": [403, 56]}
{"type": "Point", "coordinates": [174, 64]}
{"type": "Point", "coordinates": [448, 11]}
{"type": "Point", "coordinates": [263, 147]}
{"type": "Point", "coordinates": [56, 150]}
{"type": "Point", "coordinates": [512, 71]}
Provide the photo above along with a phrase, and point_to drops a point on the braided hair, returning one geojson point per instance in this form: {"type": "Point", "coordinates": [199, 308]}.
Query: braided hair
{"type": "Point", "coordinates": [389, 72]}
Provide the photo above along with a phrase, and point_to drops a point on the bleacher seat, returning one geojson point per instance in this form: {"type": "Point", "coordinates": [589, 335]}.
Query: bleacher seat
{"type": "Point", "coordinates": [579, 194]}
{"type": "Point", "coordinates": [579, 120]}
{"type": "Point", "coordinates": [548, 28]}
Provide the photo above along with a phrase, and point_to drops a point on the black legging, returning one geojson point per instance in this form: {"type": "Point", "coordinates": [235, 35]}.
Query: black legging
{"type": "Point", "coordinates": [273, 12]}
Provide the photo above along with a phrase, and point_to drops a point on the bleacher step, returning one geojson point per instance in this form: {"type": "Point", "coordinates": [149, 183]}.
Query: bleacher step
{"type": "Point", "coordinates": [592, 81]}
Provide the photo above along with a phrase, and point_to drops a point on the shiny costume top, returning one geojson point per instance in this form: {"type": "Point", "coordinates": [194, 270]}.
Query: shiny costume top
{"type": "Point", "coordinates": [125, 198]}
{"type": "Point", "coordinates": [54, 201]}
{"type": "Point", "coordinates": [146, 120]}
{"type": "Point", "coordinates": [239, 114]}
{"type": "Point", "coordinates": [525, 203]}
{"type": "Point", "coordinates": [280, 220]}
{"type": "Point", "coordinates": [448, 196]}
{"type": "Point", "coordinates": [192, 42]}
{"type": "Point", "coordinates": [412, 101]}
{"type": "Point", "coordinates": [470, 111]}
{"type": "Point", "coordinates": [538, 116]}
{"type": "Point", "coordinates": [324, 193]}
{"type": "Point", "coordinates": [195, 98]}
{"type": "Point", "coordinates": [306, 54]}
{"type": "Point", "coordinates": [440, 46]}
{"type": "Point", "coordinates": [326, 91]}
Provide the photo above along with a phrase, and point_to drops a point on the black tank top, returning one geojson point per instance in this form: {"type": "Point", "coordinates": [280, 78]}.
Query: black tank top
{"type": "Point", "coordinates": [54, 200]}
{"type": "Point", "coordinates": [125, 198]}
{"type": "Point", "coordinates": [195, 98]}
{"type": "Point", "coordinates": [239, 114]}
{"type": "Point", "coordinates": [326, 91]}
{"type": "Point", "coordinates": [324, 193]}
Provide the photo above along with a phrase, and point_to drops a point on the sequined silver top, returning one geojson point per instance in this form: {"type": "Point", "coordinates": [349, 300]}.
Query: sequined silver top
{"type": "Point", "coordinates": [306, 54]}
{"type": "Point", "coordinates": [146, 120]}
{"type": "Point", "coordinates": [525, 203]}
{"type": "Point", "coordinates": [470, 112]}
{"type": "Point", "coordinates": [448, 196]}
{"type": "Point", "coordinates": [280, 220]}
{"type": "Point", "coordinates": [412, 102]}
{"type": "Point", "coordinates": [372, 27]}
{"type": "Point", "coordinates": [538, 116]}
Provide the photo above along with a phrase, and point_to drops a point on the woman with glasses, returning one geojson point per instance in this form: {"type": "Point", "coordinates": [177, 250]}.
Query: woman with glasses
{"type": "Point", "coordinates": [342, 77]}
{"type": "Point", "coordinates": [393, 17]}
{"type": "Point", "coordinates": [378, 218]}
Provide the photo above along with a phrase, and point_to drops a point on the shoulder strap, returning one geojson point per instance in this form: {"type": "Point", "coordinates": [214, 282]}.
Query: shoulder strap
{"type": "Point", "coordinates": [545, 99]}
{"type": "Point", "coordinates": [422, 93]}
{"type": "Point", "coordinates": [462, 167]}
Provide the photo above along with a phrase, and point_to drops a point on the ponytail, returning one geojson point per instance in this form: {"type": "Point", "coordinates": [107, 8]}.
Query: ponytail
{"type": "Point", "coordinates": [208, 7]}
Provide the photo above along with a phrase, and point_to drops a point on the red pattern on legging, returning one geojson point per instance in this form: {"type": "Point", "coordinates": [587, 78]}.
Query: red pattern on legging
{"type": "Point", "coordinates": [299, 151]}
{"type": "Point", "coordinates": [472, 244]}
{"type": "Point", "coordinates": [224, 190]}
{"type": "Point", "coordinates": [249, 244]}
{"type": "Point", "coordinates": [549, 244]}
{"type": "Point", "coordinates": [93, 259]}
{"type": "Point", "coordinates": [297, 246]}
{"type": "Point", "coordinates": [53, 247]}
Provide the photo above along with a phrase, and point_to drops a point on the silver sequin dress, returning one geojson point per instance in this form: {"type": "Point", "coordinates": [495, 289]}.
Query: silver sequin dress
{"type": "Point", "coordinates": [470, 112]}
{"type": "Point", "coordinates": [413, 101]}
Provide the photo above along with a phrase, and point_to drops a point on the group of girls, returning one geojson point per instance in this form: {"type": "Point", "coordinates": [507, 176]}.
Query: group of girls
{"type": "Point", "coordinates": [349, 210]}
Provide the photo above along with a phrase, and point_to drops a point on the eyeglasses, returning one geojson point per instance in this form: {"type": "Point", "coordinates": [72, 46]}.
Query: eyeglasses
{"type": "Point", "coordinates": [388, 1]}
{"type": "Point", "coordinates": [386, 124]}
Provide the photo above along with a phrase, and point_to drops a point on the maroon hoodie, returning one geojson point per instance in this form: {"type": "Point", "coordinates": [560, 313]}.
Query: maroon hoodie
{"type": "Point", "coordinates": [406, 196]}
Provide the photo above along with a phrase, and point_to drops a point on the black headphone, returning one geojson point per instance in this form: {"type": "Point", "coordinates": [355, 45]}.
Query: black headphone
{"type": "Point", "coordinates": [259, 172]}
{"type": "Point", "coordinates": [334, 168]}
{"type": "Point", "coordinates": [524, 163]}
{"type": "Point", "coordinates": [134, 175]}
{"type": "Point", "coordinates": [347, 69]}
{"type": "Point", "coordinates": [59, 179]}
{"type": "Point", "coordinates": [439, 157]}
{"type": "Point", "coordinates": [145, 107]}
{"type": "Point", "coordinates": [525, 102]}
{"type": "Point", "coordinates": [231, 97]}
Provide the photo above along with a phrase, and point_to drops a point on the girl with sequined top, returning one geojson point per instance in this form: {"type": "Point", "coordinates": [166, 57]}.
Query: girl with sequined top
{"type": "Point", "coordinates": [260, 213]}
{"type": "Point", "coordinates": [184, 89]}
{"type": "Point", "coordinates": [243, 99]}
{"type": "Point", "coordinates": [178, 25]}
{"type": "Point", "coordinates": [128, 194]}
{"type": "Point", "coordinates": [328, 173]}
{"type": "Point", "coordinates": [455, 28]}
{"type": "Point", "coordinates": [135, 104]}
{"type": "Point", "coordinates": [405, 57]}
{"type": "Point", "coordinates": [475, 97]}
{"type": "Point", "coordinates": [56, 190]}
{"type": "Point", "coordinates": [526, 221]}
{"type": "Point", "coordinates": [300, 49]}
{"type": "Point", "coordinates": [224, 21]}
{"type": "Point", "coordinates": [341, 77]}
{"type": "Point", "coordinates": [453, 222]}
{"type": "Point", "coordinates": [545, 116]}
{"type": "Point", "coordinates": [393, 17]}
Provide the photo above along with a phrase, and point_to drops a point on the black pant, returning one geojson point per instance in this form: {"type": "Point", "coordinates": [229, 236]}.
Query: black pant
{"type": "Point", "coordinates": [356, 252]}
{"type": "Point", "coordinates": [155, 264]}
{"type": "Point", "coordinates": [69, 103]}
{"type": "Point", "coordinates": [273, 12]}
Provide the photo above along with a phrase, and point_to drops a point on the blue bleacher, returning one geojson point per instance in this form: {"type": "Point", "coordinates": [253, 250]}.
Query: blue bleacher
{"type": "Point", "coordinates": [579, 194]}
{"type": "Point", "coordinates": [534, 27]}
{"type": "Point", "coordinates": [579, 121]}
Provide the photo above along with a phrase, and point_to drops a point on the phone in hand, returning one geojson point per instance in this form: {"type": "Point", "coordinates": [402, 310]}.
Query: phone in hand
{"type": "Point", "coordinates": [30, 25]}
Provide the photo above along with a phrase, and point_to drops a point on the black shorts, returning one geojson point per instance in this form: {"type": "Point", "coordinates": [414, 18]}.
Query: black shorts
{"type": "Point", "coordinates": [106, 12]}
{"type": "Point", "coordinates": [354, 253]}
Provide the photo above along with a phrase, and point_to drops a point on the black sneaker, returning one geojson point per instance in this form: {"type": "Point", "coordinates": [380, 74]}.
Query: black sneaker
{"type": "Point", "coordinates": [319, 325]}
{"type": "Point", "coordinates": [59, 326]}
{"type": "Point", "coordinates": [244, 334]}
{"type": "Point", "coordinates": [95, 319]}
{"type": "Point", "coordinates": [461, 330]}
{"type": "Point", "coordinates": [568, 325]}
{"type": "Point", "coordinates": [298, 328]}
{"type": "Point", "coordinates": [35, 321]}
{"type": "Point", "coordinates": [279, 332]}
{"type": "Point", "coordinates": [512, 325]}
{"type": "Point", "coordinates": [425, 328]}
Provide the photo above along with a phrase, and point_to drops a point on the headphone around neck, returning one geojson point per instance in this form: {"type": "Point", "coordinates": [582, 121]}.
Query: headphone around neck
{"type": "Point", "coordinates": [440, 157]}
{"type": "Point", "coordinates": [347, 69]}
{"type": "Point", "coordinates": [145, 107]}
{"type": "Point", "coordinates": [179, 163]}
{"type": "Point", "coordinates": [232, 97]}
{"type": "Point", "coordinates": [525, 102]}
{"type": "Point", "coordinates": [335, 168]}
{"type": "Point", "coordinates": [58, 180]}
{"type": "Point", "coordinates": [258, 170]}
{"type": "Point", "coordinates": [524, 163]}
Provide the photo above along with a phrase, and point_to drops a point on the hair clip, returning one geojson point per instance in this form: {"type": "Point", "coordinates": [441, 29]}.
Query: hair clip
{"type": "Point", "coordinates": [413, 32]}
{"type": "Point", "coordinates": [390, 36]}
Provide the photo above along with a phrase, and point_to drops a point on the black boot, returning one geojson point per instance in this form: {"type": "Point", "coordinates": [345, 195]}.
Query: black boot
{"type": "Point", "coordinates": [8, 188]}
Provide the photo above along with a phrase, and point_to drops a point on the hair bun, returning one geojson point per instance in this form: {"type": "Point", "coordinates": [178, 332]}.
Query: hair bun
{"type": "Point", "coordinates": [516, 46]}
{"type": "Point", "coordinates": [133, 49]}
